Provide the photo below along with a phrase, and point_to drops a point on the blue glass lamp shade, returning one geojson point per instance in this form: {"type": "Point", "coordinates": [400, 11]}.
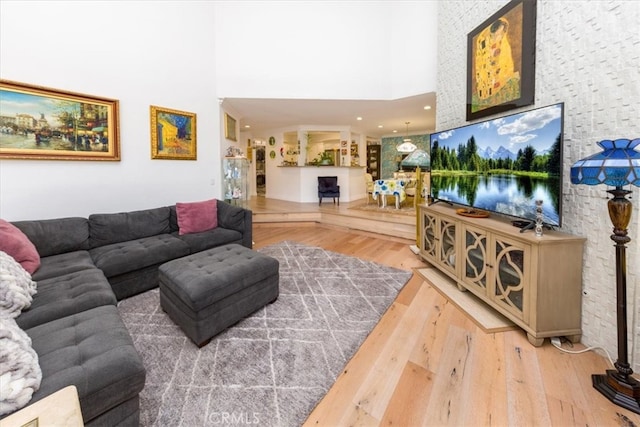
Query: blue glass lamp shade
{"type": "Point", "coordinates": [418, 158]}
{"type": "Point", "coordinates": [617, 165]}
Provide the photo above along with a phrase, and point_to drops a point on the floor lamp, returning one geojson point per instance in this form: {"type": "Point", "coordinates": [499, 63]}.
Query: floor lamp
{"type": "Point", "coordinates": [616, 166]}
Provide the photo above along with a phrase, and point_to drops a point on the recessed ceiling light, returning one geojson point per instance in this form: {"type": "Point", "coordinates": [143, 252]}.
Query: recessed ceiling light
{"type": "Point", "coordinates": [358, 118]}
{"type": "Point", "coordinates": [395, 131]}
{"type": "Point", "coordinates": [247, 126]}
{"type": "Point", "coordinates": [379, 126]}
{"type": "Point", "coordinates": [427, 107]}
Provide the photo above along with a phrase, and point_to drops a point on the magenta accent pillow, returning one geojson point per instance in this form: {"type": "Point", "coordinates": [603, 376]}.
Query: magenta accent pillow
{"type": "Point", "coordinates": [15, 243]}
{"type": "Point", "coordinates": [197, 216]}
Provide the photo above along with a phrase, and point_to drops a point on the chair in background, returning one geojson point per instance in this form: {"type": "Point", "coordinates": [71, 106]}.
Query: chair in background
{"type": "Point", "coordinates": [410, 190]}
{"type": "Point", "coordinates": [328, 187]}
{"type": "Point", "coordinates": [399, 175]}
{"type": "Point", "coordinates": [368, 179]}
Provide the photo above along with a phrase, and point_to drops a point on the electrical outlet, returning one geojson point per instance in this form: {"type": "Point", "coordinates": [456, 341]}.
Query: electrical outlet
{"type": "Point", "coordinates": [556, 341]}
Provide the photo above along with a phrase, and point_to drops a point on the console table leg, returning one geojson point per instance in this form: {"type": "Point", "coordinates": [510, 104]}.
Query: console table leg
{"type": "Point", "coordinates": [574, 338]}
{"type": "Point", "coordinates": [536, 342]}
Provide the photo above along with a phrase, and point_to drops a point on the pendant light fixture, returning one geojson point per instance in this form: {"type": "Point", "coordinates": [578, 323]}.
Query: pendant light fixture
{"type": "Point", "coordinates": [407, 146]}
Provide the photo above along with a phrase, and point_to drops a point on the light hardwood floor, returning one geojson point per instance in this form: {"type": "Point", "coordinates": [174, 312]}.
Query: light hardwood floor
{"type": "Point", "coordinates": [388, 221]}
{"type": "Point", "coordinates": [427, 363]}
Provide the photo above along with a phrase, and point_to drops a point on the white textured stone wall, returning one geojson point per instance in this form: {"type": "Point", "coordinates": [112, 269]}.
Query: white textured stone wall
{"type": "Point", "coordinates": [587, 56]}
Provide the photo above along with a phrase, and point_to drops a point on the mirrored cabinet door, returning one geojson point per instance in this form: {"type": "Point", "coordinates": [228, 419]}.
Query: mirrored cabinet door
{"type": "Point", "coordinates": [511, 275]}
{"type": "Point", "coordinates": [429, 236]}
{"type": "Point", "coordinates": [447, 255]}
{"type": "Point", "coordinates": [476, 264]}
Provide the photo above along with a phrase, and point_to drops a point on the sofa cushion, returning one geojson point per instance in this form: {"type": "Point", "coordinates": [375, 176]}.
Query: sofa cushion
{"type": "Point", "coordinates": [231, 217]}
{"type": "Point", "coordinates": [93, 351]}
{"type": "Point", "coordinates": [196, 217]}
{"type": "Point", "coordinates": [59, 265]}
{"type": "Point", "coordinates": [20, 372]}
{"type": "Point", "coordinates": [66, 295]}
{"type": "Point", "coordinates": [106, 229]}
{"type": "Point", "coordinates": [123, 257]}
{"type": "Point", "coordinates": [173, 218]}
{"type": "Point", "coordinates": [16, 287]}
{"type": "Point", "coordinates": [14, 242]}
{"type": "Point", "coordinates": [210, 239]}
{"type": "Point", "coordinates": [57, 236]}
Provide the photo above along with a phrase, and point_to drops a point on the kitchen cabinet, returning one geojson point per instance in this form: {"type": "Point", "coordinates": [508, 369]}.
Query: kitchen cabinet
{"type": "Point", "coordinates": [373, 160]}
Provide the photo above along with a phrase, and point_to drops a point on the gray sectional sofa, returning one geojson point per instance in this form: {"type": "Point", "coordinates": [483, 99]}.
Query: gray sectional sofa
{"type": "Point", "coordinates": [87, 266]}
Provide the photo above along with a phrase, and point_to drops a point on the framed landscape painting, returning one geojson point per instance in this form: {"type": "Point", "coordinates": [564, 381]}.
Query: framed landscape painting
{"type": "Point", "coordinates": [41, 123]}
{"type": "Point", "coordinates": [501, 61]}
{"type": "Point", "coordinates": [173, 134]}
{"type": "Point", "coordinates": [230, 127]}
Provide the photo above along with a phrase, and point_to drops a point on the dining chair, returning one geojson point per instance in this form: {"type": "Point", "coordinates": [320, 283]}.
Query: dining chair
{"type": "Point", "coordinates": [328, 187]}
{"type": "Point", "coordinates": [368, 179]}
{"type": "Point", "coordinates": [410, 190]}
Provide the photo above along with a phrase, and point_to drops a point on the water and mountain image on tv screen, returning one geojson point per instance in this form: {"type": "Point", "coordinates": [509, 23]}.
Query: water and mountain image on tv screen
{"type": "Point", "coordinates": [503, 165]}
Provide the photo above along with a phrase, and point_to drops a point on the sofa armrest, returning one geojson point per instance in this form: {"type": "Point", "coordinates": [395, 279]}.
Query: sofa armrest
{"type": "Point", "coordinates": [238, 219]}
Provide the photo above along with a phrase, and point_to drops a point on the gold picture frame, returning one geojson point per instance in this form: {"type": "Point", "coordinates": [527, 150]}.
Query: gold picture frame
{"type": "Point", "coordinates": [230, 127]}
{"type": "Point", "coordinates": [41, 123]}
{"type": "Point", "coordinates": [501, 60]}
{"type": "Point", "coordinates": [173, 134]}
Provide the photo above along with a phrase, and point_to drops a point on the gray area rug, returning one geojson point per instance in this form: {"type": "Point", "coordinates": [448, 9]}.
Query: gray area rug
{"type": "Point", "coordinates": [273, 367]}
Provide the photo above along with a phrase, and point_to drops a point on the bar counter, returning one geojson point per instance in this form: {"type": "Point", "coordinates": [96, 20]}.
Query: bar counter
{"type": "Point", "coordinates": [300, 183]}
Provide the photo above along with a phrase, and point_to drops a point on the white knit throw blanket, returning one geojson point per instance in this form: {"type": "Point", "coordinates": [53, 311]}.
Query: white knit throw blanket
{"type": "Point", "coordinates": [20, 373]}
{"type": "Point", "coordinates": [16, 287]}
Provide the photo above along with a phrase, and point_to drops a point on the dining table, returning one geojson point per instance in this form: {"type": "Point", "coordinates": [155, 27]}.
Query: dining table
{"type": "Point", "coordinates": [389, 187]}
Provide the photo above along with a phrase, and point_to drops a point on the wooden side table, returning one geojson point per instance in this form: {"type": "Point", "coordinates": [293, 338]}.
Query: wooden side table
{"type": "Point", "coordinates": [61, 408]}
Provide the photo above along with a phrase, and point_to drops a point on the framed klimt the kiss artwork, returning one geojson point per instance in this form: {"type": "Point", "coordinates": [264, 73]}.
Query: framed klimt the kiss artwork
{"type": "Point", "coordinates": [41, 123]}
{"type": "Point", "coordinates": [501, 61]}
{"type": "Point", "coordinates": [173, 134]}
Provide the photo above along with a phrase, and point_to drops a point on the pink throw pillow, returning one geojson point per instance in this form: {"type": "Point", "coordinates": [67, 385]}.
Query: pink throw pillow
{"type": "Point", "coordinates": [15, 243]}
{"type": "Point", "coordinates": [197, 216]}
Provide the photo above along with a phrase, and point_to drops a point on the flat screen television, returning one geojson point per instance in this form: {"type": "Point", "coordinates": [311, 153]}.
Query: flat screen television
{"type": "Point", "coordinates": [503, 165]}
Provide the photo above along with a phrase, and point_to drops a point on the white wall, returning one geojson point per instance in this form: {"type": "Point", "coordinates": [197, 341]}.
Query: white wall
{"type": "Point", "coordinates": [325, 50]}
{"type": "Point", "coordinates": [141, 53]}
{"type": "Point", "coordinates": [186, 55]}
{"type": "Point", "coordinates": [412, 50]}
{"type": "Point", "coordinates": [588, 57]}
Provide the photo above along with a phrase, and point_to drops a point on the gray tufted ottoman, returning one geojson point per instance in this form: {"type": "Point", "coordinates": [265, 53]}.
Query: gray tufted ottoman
{"type": "Point", "coordinates": [207, 292]}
